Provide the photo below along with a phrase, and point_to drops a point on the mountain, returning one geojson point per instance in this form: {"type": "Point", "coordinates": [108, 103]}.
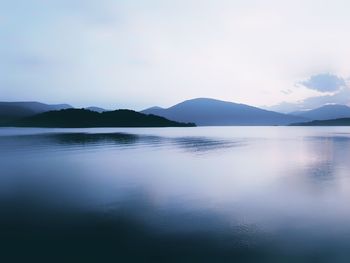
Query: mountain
{"type": "Point", "coordinates": [326, 112]}
{"type": "Point", "coordinates": [10, 111]}
{"type": "Point", "coordinates": [81, 118]}
{"type": "Point", "coordinates": [211, 112]}
{"type": "Point", "coordinates": [335, 122]}
{"type": "Point", "coordinates": [97, 109]}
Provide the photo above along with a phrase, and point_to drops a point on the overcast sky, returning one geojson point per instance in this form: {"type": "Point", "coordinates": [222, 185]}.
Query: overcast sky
{"type": "Point", "coordinates": [135, 54]}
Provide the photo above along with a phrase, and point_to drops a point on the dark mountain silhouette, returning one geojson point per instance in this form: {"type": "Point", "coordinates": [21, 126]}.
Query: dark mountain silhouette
{"type": "Point", "coordinates": [210, 112]}
{"type": "Point", "coordinates": [10, 111]}
{"type": "Point", "coordinates": [335, 122]}
{"type": "Point", "coordinates": [80, 118]}
{"type": "Point", "coordinates": [326, 112]}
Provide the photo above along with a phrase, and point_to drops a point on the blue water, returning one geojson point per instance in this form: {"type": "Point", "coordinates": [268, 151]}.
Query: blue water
{"type": "Point", "coordinates": [259, 194]}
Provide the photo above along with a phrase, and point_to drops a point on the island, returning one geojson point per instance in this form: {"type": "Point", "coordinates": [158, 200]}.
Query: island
{"type": "Point", "coordinates": [83, 118]}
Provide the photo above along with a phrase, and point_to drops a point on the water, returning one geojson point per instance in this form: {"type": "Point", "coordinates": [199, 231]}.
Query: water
{"type": "Point", "coordinates": [216, 194]}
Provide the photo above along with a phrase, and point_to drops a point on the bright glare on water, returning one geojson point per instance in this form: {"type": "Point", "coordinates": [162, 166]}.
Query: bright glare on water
{"type": "Point", "coordinates": [282, 192]}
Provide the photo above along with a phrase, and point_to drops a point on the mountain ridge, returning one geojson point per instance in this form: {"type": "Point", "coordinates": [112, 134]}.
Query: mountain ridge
{"type": "Point", "coordinates": [212, 112]}
{"type": "Point", "coordinates": [82, 118]}
{"type": "Point", "coordinates": [326, 112]}
{"type": "Point", "coordinates": [10, 111]}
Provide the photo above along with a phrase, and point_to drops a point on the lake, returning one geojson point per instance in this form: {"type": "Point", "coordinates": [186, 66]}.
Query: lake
{"type": "Point", "coordinates": [205, 194]}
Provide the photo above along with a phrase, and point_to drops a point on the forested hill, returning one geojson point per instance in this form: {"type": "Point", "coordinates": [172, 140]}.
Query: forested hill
{"type": "Point", "coordinates": [335, 122]}
{"type": "Point", "coordinates": [82, 118]}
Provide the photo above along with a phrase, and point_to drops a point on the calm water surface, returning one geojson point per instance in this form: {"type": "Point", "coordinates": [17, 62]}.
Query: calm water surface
{"type": "Point", "coordinates": [218, 194]}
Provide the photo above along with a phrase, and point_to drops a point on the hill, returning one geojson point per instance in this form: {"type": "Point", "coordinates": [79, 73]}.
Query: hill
{"type": "Point", "coordinates": [10, 111]}
{"type": "Point", "coordinates": [211, 112]}
{"type": "Point", "coordinates": [81, 118]}
{"type": "Point", "coordinates": [326, 112]}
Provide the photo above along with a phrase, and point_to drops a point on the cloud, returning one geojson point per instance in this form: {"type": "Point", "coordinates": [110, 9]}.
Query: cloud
{"type": "Point", "coordinates": [324, 83]}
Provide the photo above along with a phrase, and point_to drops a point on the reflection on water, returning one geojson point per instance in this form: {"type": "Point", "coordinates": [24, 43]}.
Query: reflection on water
{"type": "Point", "coordinates": [115, 140]}
{"type": "Point", "coordinates": [245, 194]}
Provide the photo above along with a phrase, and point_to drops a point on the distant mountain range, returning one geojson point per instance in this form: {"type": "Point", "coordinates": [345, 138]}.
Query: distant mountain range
{"type": "Point", "coordinates": [97, 109]}
{"type": "Point", "coordinates": [326, 112]}
{"type": "Point", "coordinates": [211, 112]}
{"type": "Point", "coordinates": [201, 111]}
{"type": "Point", "coordinates": [81, 118]}
{"type": "Point", "coordinates": [10, 111]}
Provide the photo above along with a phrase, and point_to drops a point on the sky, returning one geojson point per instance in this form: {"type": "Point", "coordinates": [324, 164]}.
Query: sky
{"type": "Point", "coordinates": [280, 55]}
